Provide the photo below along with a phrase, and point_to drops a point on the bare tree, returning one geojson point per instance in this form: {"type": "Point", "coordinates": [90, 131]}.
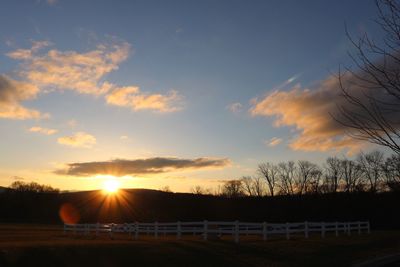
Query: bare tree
{"type": "Point", "coordinates": [33, 187]}
{"type": "Point", "coordinates": [351, 175]}
{"type": "Point", "coordinates": [371, 110]}
{"type": "Point", "coordinates": [198, 190]}
{"type": "Point", "coordinates": [391, 170]}
{"type": "Point", "coordinates": [247, 184]}
{"type": "Point", "coordinates": [259, 186]}
{"type": "Point", "coordinates": [314, 181]}
{"type": "Point", "coordinates": [371, 166]}
{"type": "Point", "coordinates": [304, 173]}
{"type": "Point", "coordinates": [269, 172]}
{"type": "Point", "coordinates": [253, 186]}
{"type": "Point", "coordinates": [232, 188]}
{"type": "Point", "coordinates": [333, 173]}
{"type": "Point", "coordinates": [166, 189]}
{"type": "Point", "coordinates": [286, 174]}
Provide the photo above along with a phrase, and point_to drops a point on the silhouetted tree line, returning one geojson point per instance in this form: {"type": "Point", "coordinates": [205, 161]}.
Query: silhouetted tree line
{"type": "Point", "coordinates": [370, 172]}
{"type": "Point", "coordinates": [340, 189]}
{"type": "Point", "coordinates": [33, 187]}
{"type": "Point", "coordinates": [150, 205]}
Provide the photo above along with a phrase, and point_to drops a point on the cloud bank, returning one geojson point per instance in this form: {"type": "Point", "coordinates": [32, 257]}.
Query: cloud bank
{"type": "Point", "coordinates": [45, 69]}
{"type": "Point", "coordinates": [122, 167]}
{"type": "Point", "coordinates": [70, 70]}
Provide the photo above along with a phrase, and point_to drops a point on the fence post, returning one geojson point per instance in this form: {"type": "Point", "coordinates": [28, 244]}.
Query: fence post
{"type": "Point", "coordinates": [130, 229]}
{"type": "Point", "coordinates": [125, 229]}
{"type": "Point", "coordinates": [368, 228]}
{"type": "Point", "coordinates": [136, 230]}
{"type": "Point", "coordinates": [97, 229]}
{"type": "Point", "coordinates": [348, 229]}
{"type": "Point", "coordinates": [359, 227]}
{"type": "Point", "coordinates": [265, 231]}
{"type": "Point", "coordinates": [323, 229]}
{"type": "Point", "coordinates": [336, 229]}
{"type": "Point", "coordinates": [156, 230]}
{"type": "Point", "coordinates": [178, 233]}
{"type": "Point", "coordinates": [306, 229]}
{"type": "Point", "coordinates": [287, 231]}
{"type": "Point", "coordinates": [111, 230]}
{"type": "Point", "coordinates": [65, 231]}
{"type": "Point", "coordinates": [236, 231]}
{"type": "Point", "coordinates": [205, 230]}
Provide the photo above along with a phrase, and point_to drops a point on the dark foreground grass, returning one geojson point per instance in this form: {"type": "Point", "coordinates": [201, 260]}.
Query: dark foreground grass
{"type": "Point", "coordinates": [47, 246]}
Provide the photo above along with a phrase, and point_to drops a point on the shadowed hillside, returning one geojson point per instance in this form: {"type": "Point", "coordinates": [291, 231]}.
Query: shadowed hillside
{"type": "Point", "coordinates": [150, 205]}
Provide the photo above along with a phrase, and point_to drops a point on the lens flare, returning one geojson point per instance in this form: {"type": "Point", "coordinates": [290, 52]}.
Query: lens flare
{"type": "Point", "coordinates": [69, 214]}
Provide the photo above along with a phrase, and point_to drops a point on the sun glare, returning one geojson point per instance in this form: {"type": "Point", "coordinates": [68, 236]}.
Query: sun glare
{"type": "Point", "coordinates": [111, 186]}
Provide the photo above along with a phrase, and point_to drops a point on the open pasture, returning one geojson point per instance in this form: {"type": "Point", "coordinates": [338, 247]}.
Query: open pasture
{"type": "Point", "coordinates": [43, 245]}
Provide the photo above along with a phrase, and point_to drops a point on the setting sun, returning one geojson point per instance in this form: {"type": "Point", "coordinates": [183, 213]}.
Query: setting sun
{"type": "Point", "coordinates": [111, 186]}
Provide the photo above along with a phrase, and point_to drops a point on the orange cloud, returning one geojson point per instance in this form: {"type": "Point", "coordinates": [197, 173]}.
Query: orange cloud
{"type": "Point", "coordinates": [46, 131]}
{"type": "Point", "coordinates": [310, 111]}
{"type": "Point", "coordinates": [131, 96]}
{"type": "Point", "coordinates": [80, 139]}
{"type": "Point", "coordinates": [71, 70]}
{"type": "Point", "coordinates": [12, 93]}
{"type": "Point", "coordinates": [85, 72]}
{"type": "Point", "coordinates": [26, 54]}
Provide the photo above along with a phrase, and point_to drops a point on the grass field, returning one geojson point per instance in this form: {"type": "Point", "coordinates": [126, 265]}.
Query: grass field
{"type": "Point", "coordinates": [37, 245]}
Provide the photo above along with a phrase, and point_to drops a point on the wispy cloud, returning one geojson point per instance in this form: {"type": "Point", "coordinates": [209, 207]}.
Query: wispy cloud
{"type": "Point", "coordinates": [125, 138]}
{"type": "Point", "coordinates": [48, 2]}
{"type": "Point", "coordinates": [288, 81]}
{"type": "Point", "coordinates": [79, 139]}
{"type": "Point", "coordinates": [133, 98]}
{"type": "Point", "coordinates": [26, 54]}
{"type": "Point", "coordinates": [273, 141]}
{"type": "Point", "coordinates": [17, 178]}
{"type": "Point", "coordinates": [46, 131]}
{"type": "Point", "coordinates": [52, 2]}
{"type": "Point", "coordinates": [72, 123]}
{"type": "Point", "coordinates": [235, 107]}
{"type": "Point", "coordinates": [122, 167]}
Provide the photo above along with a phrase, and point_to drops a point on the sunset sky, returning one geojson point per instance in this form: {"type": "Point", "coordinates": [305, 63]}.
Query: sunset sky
{"type": "Point", "coordinates": [177, 93]}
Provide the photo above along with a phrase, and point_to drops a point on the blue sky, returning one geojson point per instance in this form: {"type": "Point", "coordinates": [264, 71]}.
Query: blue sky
{"type": "Point", "coordinates": [222, 59]}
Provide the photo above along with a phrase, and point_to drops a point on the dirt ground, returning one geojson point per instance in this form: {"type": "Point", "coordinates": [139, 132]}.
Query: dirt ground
{"type": "Point", "coordinates": [42, 245]}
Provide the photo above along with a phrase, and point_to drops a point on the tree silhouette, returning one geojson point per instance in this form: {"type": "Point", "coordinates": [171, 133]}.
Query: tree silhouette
{"type": "Point", "coordinates": [371, 111]}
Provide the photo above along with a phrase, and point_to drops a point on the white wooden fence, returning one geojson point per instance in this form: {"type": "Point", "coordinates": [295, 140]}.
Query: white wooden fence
{"type": "Point", "coordinates": [211, 228]}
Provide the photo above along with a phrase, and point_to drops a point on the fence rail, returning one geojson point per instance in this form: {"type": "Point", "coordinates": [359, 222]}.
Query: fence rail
{"type": "Point", "coordinates": [213, 228]}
